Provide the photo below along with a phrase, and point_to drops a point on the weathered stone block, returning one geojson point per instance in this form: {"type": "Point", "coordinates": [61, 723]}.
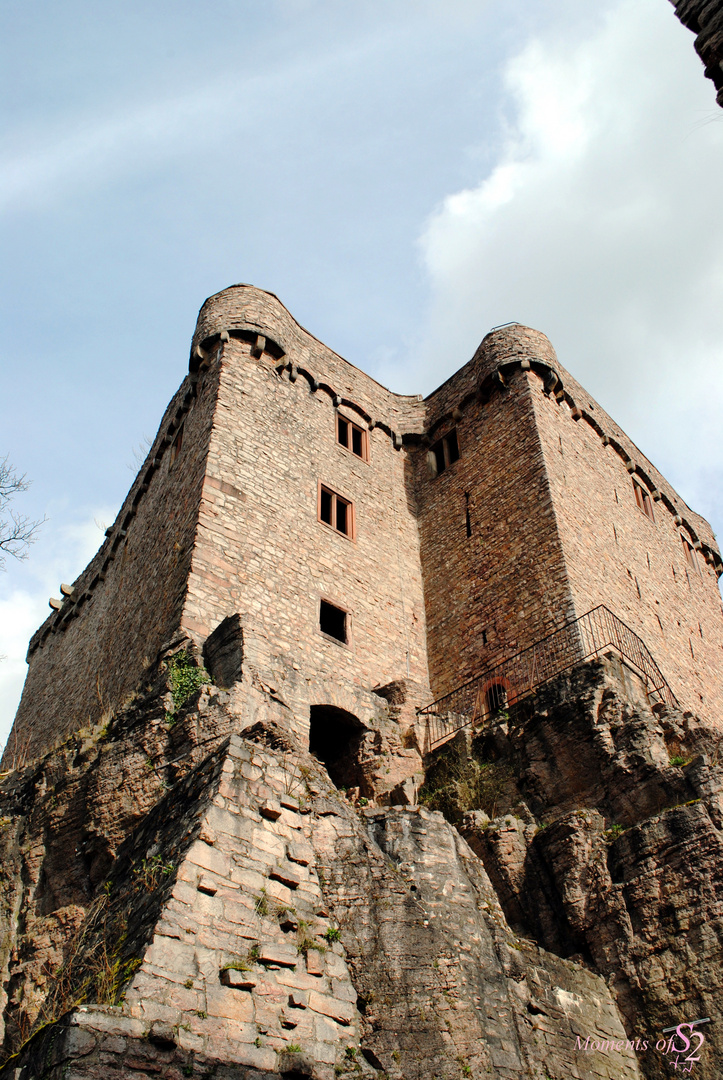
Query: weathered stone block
{"type": "Point", "coordinates": [270, 808]}
{"type": "Point", "coordinates": [341, 1011]}
{"type": "Point", "coordinates": [239, 980]}
{"type": "Point", "coordinates": [299, 853]}
{"type": "Point", "coordinates": [287, 876]}
{"type": "Point", "coordinates": [314, 962]}
{"type": "Point", "coordinates": [278, 953]}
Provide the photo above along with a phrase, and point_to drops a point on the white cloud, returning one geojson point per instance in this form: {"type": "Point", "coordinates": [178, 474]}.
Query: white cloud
{"type": "Point", "coordinates": [599, 225]}
{"type": "Point", "coordinates": [59, 555]}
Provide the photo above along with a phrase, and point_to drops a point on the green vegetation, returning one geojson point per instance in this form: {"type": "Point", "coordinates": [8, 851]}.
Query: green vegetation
{"type": "Point", "coordinates": [236, 965]}
{"type": "Point", "coordinates": [332, 934]}
{"type": "Point", "coordinates": [459, 781]}
{"type": "Point", "coordinates": [678, 759]}
{"type": "Point", "coordinates": [614, 832]}
{"type": "Point", "coordinates": [261, 907]}
{"type": "Point", "coordinates": [185, 677]}
{"type": "Point", "coordinates": [152, 871]}
{"type": "Point", "coordinates": [305, 943]}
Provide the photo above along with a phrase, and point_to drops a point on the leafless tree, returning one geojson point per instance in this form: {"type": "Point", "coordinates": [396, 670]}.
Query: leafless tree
{"type": "Point", "coordinates": [17, 531]}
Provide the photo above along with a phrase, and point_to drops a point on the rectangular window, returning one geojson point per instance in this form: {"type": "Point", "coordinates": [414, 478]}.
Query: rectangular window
{"type": "Point", "coordinates": [690, 555]}
{"type": "Point", "coordinates": [333, 621]}
{"type": "Point", "coordinates": [336, 511]}
{"type": "Point", "coordinates": [643, 500]}
{"type": "Point", "coordinates": [352, 437]}
{"type": "Point", "coordinates": [443, 453]}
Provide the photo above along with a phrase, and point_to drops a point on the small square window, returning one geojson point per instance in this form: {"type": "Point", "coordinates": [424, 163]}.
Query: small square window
{"type": "Point", "coordinates": [443, 453]}
{"type": "Point", "coordinates": [642, 498]}
{"type": "Point", "coordinates": [333, 621]}
{"type": "Point", "coordinates": [690, 556]}
{"type": "Point", "coordinates": [352, 437]}
{"type": "Point", "coordinates": [336, 511]}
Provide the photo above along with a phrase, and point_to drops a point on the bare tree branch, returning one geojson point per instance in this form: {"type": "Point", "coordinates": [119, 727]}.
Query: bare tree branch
{"type": "Point", "coordinates": [17, 531]}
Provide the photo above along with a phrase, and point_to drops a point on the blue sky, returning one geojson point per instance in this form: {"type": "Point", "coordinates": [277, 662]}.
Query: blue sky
{"type": "Point", "coordinates": [403, 174]}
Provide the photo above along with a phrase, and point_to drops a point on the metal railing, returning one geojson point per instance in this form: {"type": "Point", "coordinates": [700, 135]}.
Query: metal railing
{"type": "Point", "coordinates": [510, 682]}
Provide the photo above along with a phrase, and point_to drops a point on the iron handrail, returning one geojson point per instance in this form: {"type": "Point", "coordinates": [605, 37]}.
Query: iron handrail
{"type": "Point", "coordinates": [511, 681]}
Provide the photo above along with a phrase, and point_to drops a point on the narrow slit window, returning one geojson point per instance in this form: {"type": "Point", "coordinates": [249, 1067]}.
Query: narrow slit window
{"type": "Point", "coordinates": [336, 511]}
{"type": "Point", "coordinates": [333, 621]}
{"type": "Point", "coordinates": [352, 437]}
{"type": "Point", "coordinates": [690, 555]}
{"type": "Point", "coordinates": [643, 500]}
{"type": "Point", "coordinates": [443, 453]}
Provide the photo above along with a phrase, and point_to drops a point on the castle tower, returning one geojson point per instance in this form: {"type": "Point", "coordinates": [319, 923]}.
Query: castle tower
{"type": "Point", "coordinates": [366, 539]}
{"type": "Point", "coordinates": [549, 511]}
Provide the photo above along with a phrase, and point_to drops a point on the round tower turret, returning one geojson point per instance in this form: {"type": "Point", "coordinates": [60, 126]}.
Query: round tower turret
{"type": "Point", "coordinates": [515, 342]}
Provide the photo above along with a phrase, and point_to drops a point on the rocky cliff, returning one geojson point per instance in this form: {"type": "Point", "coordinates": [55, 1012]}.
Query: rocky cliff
{"type": "Point", "coordinates": [187, 893]}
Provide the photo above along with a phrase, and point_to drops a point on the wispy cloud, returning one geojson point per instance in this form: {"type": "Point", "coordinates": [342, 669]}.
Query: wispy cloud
{"type": "Point", "coordinates": [599, 225]}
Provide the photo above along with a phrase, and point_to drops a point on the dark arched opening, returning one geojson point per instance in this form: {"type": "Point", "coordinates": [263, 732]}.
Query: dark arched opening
{"type": "Point", "coordinates": [335, 738]}
{"type": "Point", "coordinates": [495, 699]}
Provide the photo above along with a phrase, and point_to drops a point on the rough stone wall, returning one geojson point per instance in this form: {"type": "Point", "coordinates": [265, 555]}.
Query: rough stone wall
{"type": "Point", "coordinates": [232, 528]}
{"type": "Point", "coordinates": [64, 819]}
{"type": "Point", "coordinates": [604, 844]}
{"type": "Point", "coordinates": [705, 19]}
{"type": "Point", "coordinates": [97, 809]}
{"type": "Point", "coordinates": [280, 930]}
{"type": "Point", "coordinates": [248, 309]}
{"type": "Point", "coordinates": [491, 593]}
{"type": "Point", "coordinates": [86, 658]}
{"type": "Point", "coordinates": [617, 556]}
{"type": "Point", "coordinates": [262, 550]}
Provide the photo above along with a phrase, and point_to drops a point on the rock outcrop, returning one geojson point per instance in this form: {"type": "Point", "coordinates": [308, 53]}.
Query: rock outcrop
{"type": "Point", "coordinates": [188, 893]}
{"type": "Point", "coordinates": [705, 19]}
{"type": "Point", "coordinates": [611, 848]}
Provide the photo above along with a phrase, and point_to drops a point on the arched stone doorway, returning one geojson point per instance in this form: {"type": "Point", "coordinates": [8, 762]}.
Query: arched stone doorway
{"type": "Point", "coordinates": [335, 738]}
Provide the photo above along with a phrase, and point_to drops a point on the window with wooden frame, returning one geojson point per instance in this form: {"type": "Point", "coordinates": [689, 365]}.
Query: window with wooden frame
{"type": "Point", "coordinates": [334, 621]}
{"type": "Point", "coordinates": [352, 437]}
{"type": "Point", "coordinates": [643, 500]}
{"type": "Point", "coordinates": [690, 555]}
{"type": "Point", "coordinates": [443, 453]}
{"type": "Point", "coordinates": [336, 512]}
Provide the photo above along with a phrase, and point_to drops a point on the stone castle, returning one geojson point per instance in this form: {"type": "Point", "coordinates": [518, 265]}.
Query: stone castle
{"type": "Point", "coordinates": [236, 840]}
{"type": "Point", "coordinates": [381, 740]}
{"type": "Point", "coordinates": [367, 540]}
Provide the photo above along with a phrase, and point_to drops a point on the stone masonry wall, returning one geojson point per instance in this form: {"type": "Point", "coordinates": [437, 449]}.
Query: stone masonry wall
{"type": "Point", "coordinates": [262, 550]}
{"type": "Point", "coordinates": [534, 524]}
{"type": "Point", "coordinates": [273, 928]}
{"type": "Point", "coordinates": [87, 656]}
{"type": "Point", "coordinates": [616, 555]}
{"type": "Point", "coordinates": [547, 477]}
{"type": "Point", "coordinates": [491, 593]}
